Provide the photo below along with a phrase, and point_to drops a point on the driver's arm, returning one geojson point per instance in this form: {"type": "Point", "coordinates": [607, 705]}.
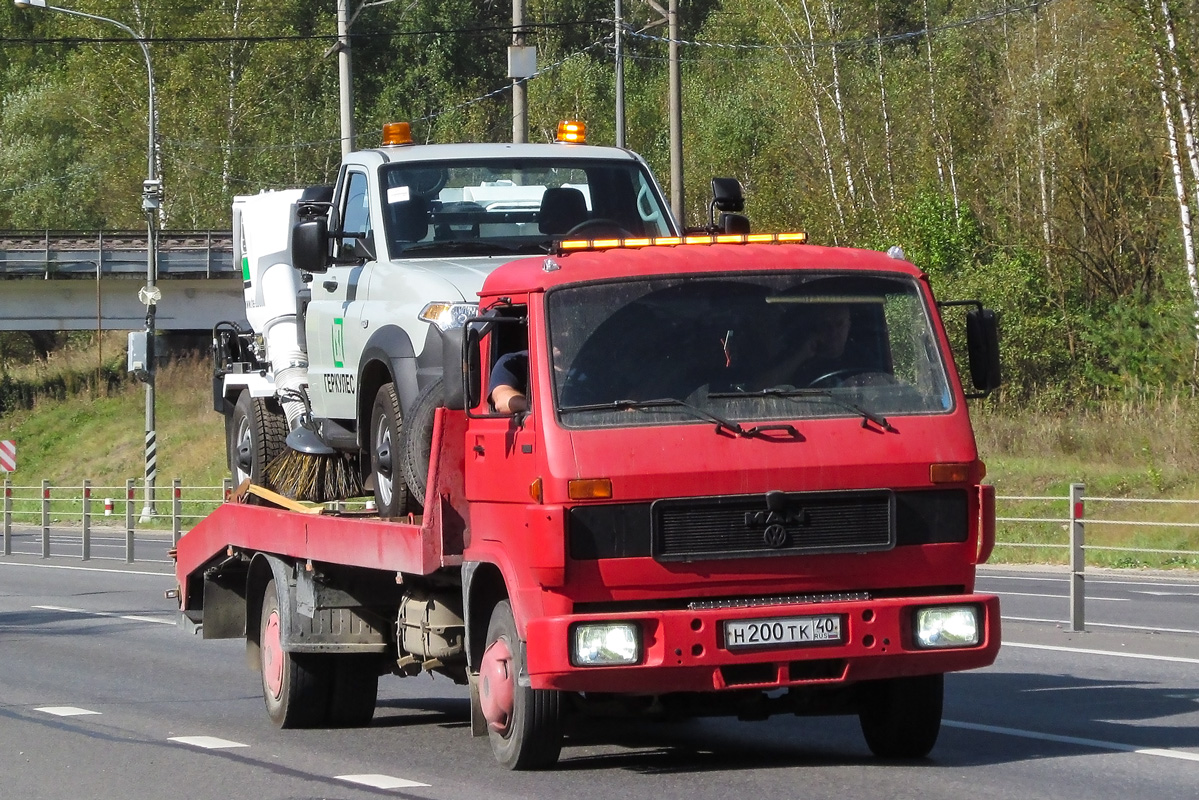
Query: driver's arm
{"type": "Point", "coordinates": [507, 400]}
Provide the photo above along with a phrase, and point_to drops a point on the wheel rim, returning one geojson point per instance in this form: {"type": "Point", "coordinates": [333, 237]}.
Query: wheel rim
{"type": "Point", "coordinates": [497, 686]}
{"type": "Point", "coordinates": [272, 656]}
{"type": "Point", "coordinates": [383, 460]}
{"type": "Point", "coordinates": [244, 438]}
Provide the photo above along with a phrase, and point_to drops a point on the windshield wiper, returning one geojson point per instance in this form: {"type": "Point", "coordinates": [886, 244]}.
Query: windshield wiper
{"type": "Point", "coordinates": [668, 402]}
{"type": "Point", "coordinates": [471, 246]}
{"type": "Point", "coordinates": [825, 394]}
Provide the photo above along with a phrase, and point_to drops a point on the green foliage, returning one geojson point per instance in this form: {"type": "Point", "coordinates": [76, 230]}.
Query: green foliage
{"type": "Point", "coordinates": [1021, 159]}
{"type": "Point", "coordinates": [1139, 348]}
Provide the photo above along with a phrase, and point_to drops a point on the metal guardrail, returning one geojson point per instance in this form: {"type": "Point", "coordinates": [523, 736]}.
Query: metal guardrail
{"type": "Point", "coordinates": [104, 510]}
{"type": "Point", "coordinates": [1076, 523]}
{"type": "Point", "coordinates": [93, 254]}
{"type": "Point", "coordinates": [71, 520]}
{"type": "Point", "coordinates": [43, 507]}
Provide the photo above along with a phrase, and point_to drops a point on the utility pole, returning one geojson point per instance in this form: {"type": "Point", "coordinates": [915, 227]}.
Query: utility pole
{"type": "Point", "coordinates": [520, 92]}
{"type": "Point", "coordinates": [676, 115]}
{"type": "Point", "coordinates": [345, 76]}
{"type": "Point", "coordinates": [619, 32]}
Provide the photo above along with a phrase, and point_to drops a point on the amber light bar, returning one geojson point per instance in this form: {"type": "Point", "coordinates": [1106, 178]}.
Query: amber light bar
{"type": "Point", "coordinates": [572, 245]}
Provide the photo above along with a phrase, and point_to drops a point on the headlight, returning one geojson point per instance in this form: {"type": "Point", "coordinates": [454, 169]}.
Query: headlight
{"type": "Point", "coordinates": [605, 644]}
{"type": "Point", "coordinates": [947, 626]}
{"type": "Point", "coordinates": [447, 316]}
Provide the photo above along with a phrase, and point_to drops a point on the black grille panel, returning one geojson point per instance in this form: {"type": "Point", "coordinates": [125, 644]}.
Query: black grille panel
{"type": "Point", "coordinates": [774, 524]}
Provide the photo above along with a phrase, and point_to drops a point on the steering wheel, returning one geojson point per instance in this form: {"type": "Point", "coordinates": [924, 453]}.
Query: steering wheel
{"type": "Point", "coordinates": [600, 226]}
{"type": "Point", "coordinates": [838, 376]}
{"type": "Point", "coordinates": [428, 182]}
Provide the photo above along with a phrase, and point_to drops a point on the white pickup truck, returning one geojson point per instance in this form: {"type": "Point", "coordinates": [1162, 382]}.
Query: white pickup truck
{"type": "Point", "coordinates": [349, 288]}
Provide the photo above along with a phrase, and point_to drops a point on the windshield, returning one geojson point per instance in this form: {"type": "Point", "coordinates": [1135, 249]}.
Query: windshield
{"type": "Point", "coordinates": [744, 348]}
{"type": "Point", "coordinates": [498, 206]}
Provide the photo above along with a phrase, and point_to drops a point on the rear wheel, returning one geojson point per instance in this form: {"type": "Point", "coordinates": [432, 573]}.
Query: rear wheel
{"type": "Point", "coordinates": [523, 724]}
{"type": "Point", "coordinates": [391, 493]}
{"type": "Point", "coordinates": [901, 717]}
{"type": "Point", "coordinates": [257, 434]}
{"type": "Point", "coordinates": [296, 686]}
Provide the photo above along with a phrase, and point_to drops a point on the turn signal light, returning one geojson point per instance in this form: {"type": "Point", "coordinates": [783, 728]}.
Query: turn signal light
{"type": "Point", "coordinates": [573, 131]}
{"type": "Point", "coordinates": [589, 489]}
{"type": "Point", "coordinates": [397, 133]}
{"type": "Point", "coordinates": [949, 473]}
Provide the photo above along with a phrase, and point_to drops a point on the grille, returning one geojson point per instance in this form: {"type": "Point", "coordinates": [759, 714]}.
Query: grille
{"type": "Point", "coordinates": [774, 524]}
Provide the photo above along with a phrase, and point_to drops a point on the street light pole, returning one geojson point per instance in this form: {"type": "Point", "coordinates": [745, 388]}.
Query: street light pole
{"type": "Point", "coordinates": [151, 202]}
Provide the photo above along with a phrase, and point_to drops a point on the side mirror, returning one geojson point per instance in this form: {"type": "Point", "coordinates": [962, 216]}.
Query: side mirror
{"type": "Point", "coordinates": [728, 199]}
{"type": "Point", "coordinates": [982, 344]}
{"type": "Point", "coordinates": [734, 224]}
{"type": "Point", "coordinates": [310, 245]}
{"type": "Point", "coordinates": [472, 369]}
{"type": "Point", "coordinates": [727, 195]}
{"type": "Point", "coordinates": [357, 247]}
{"type": "Point", "coordinates": [453, 360]}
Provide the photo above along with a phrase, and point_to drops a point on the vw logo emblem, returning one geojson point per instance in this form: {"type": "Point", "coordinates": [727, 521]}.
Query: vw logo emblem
{"type": "Point", "coordinates": [775, 535]}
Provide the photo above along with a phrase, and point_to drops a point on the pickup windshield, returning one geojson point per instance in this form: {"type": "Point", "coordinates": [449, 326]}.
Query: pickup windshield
{"type": "Point", "coordinates": [745, 348]}
{"type": "Point", "coordinates": [506, 206]}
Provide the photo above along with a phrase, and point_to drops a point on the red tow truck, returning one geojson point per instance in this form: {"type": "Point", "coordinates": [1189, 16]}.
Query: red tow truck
{"type": "Point", "coordinates": [746, 484]}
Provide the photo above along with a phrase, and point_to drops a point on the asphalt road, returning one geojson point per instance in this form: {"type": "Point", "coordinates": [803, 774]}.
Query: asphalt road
{"type": "Point", "coordinates": [101, 696]}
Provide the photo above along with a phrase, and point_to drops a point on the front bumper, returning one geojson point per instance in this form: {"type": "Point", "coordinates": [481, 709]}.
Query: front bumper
{"type": "Point", "coordinates": [683, 650]}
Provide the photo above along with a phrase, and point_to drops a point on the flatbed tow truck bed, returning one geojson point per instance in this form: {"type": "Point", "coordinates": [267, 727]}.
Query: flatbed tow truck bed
{"type": "Point", "coordinates": [417, 545]}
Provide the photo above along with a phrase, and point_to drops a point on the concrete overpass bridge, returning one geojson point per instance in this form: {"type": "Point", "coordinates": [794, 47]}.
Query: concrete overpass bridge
{"type": "Point", "coordinates": [72, 280]}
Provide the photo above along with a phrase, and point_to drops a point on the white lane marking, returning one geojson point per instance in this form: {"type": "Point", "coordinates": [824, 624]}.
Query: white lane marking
{"type": "Point", "coordinates": [1112, 653]}
{"type": "Point", "coordinates": [1064, 597]}
{"type": "Point", "coordinates": [1053, 737]}
{"type": "Point", "coordinates": [380, 781]}
{"type": "Point", "coordinates": [1165, 594]}
{"type": "Point", "coordinates": [130, 617]}
{"type": "Point", "coordinates": [65, 711]}
{"type": "Point", "coordinates": [207, 742]}
{"type": "Point", "coordinates": [1144, 628]}
{"type": "Point", "coordinates": [89, 569]}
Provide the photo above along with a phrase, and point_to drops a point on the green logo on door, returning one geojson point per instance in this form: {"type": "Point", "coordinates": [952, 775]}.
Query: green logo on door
{"type": "Point", "coordinates": [339, 344]}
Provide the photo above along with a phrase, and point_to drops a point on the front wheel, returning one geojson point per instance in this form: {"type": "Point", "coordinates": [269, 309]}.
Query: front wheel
{"type": "Point", "coordinates": [523, 724]}
{"type": "Point", "coordinates": [257, 435]}
{"type": "Point", "coordinates": [901, 717]}
{"type": "Point", "coordinates": [416, 440]}
{"type": "Point", "coordinates": [391, 493]}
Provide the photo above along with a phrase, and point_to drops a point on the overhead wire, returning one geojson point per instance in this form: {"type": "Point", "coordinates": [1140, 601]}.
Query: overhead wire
{"type": "Point", "coordinates": [603, 43]}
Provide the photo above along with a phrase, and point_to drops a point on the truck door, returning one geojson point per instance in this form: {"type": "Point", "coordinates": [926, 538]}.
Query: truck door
{"type": "Point", "coordinates": [333, 323]}
{"type": "Point", "coordinates": [501, 457]}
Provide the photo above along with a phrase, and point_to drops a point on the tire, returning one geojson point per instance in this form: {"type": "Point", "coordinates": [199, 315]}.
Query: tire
{"type": "Point", "coordinates": [263, 434]}
{"type": "Point", "coordinates": [296, 686]}
{"type": "Point", "coordinates": [391, 493]}
{"type": "Point", "coordinates": [416, 440]}
{"type": "Point", "coordinates": [901, 717]}
{"type": "Point", "coordinates": [523, 724]}
{"type": "Point", "coordinates": [354, 691]}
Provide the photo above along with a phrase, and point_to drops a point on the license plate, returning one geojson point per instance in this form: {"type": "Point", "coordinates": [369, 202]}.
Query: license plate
{"type": "Point", "coordinates": [778, 631]}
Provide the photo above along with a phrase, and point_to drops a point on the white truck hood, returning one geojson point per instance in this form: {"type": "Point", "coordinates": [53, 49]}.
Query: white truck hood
{"type": "Point", "coordinates": [457, 279]}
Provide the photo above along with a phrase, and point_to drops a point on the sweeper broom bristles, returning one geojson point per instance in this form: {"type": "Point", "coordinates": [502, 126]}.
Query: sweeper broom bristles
{"type": "Point", "coordinates": [314, 478]}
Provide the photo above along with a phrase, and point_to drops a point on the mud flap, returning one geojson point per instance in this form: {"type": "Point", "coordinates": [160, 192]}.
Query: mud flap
{"type": "Point", "coordinates": [478, 723]}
